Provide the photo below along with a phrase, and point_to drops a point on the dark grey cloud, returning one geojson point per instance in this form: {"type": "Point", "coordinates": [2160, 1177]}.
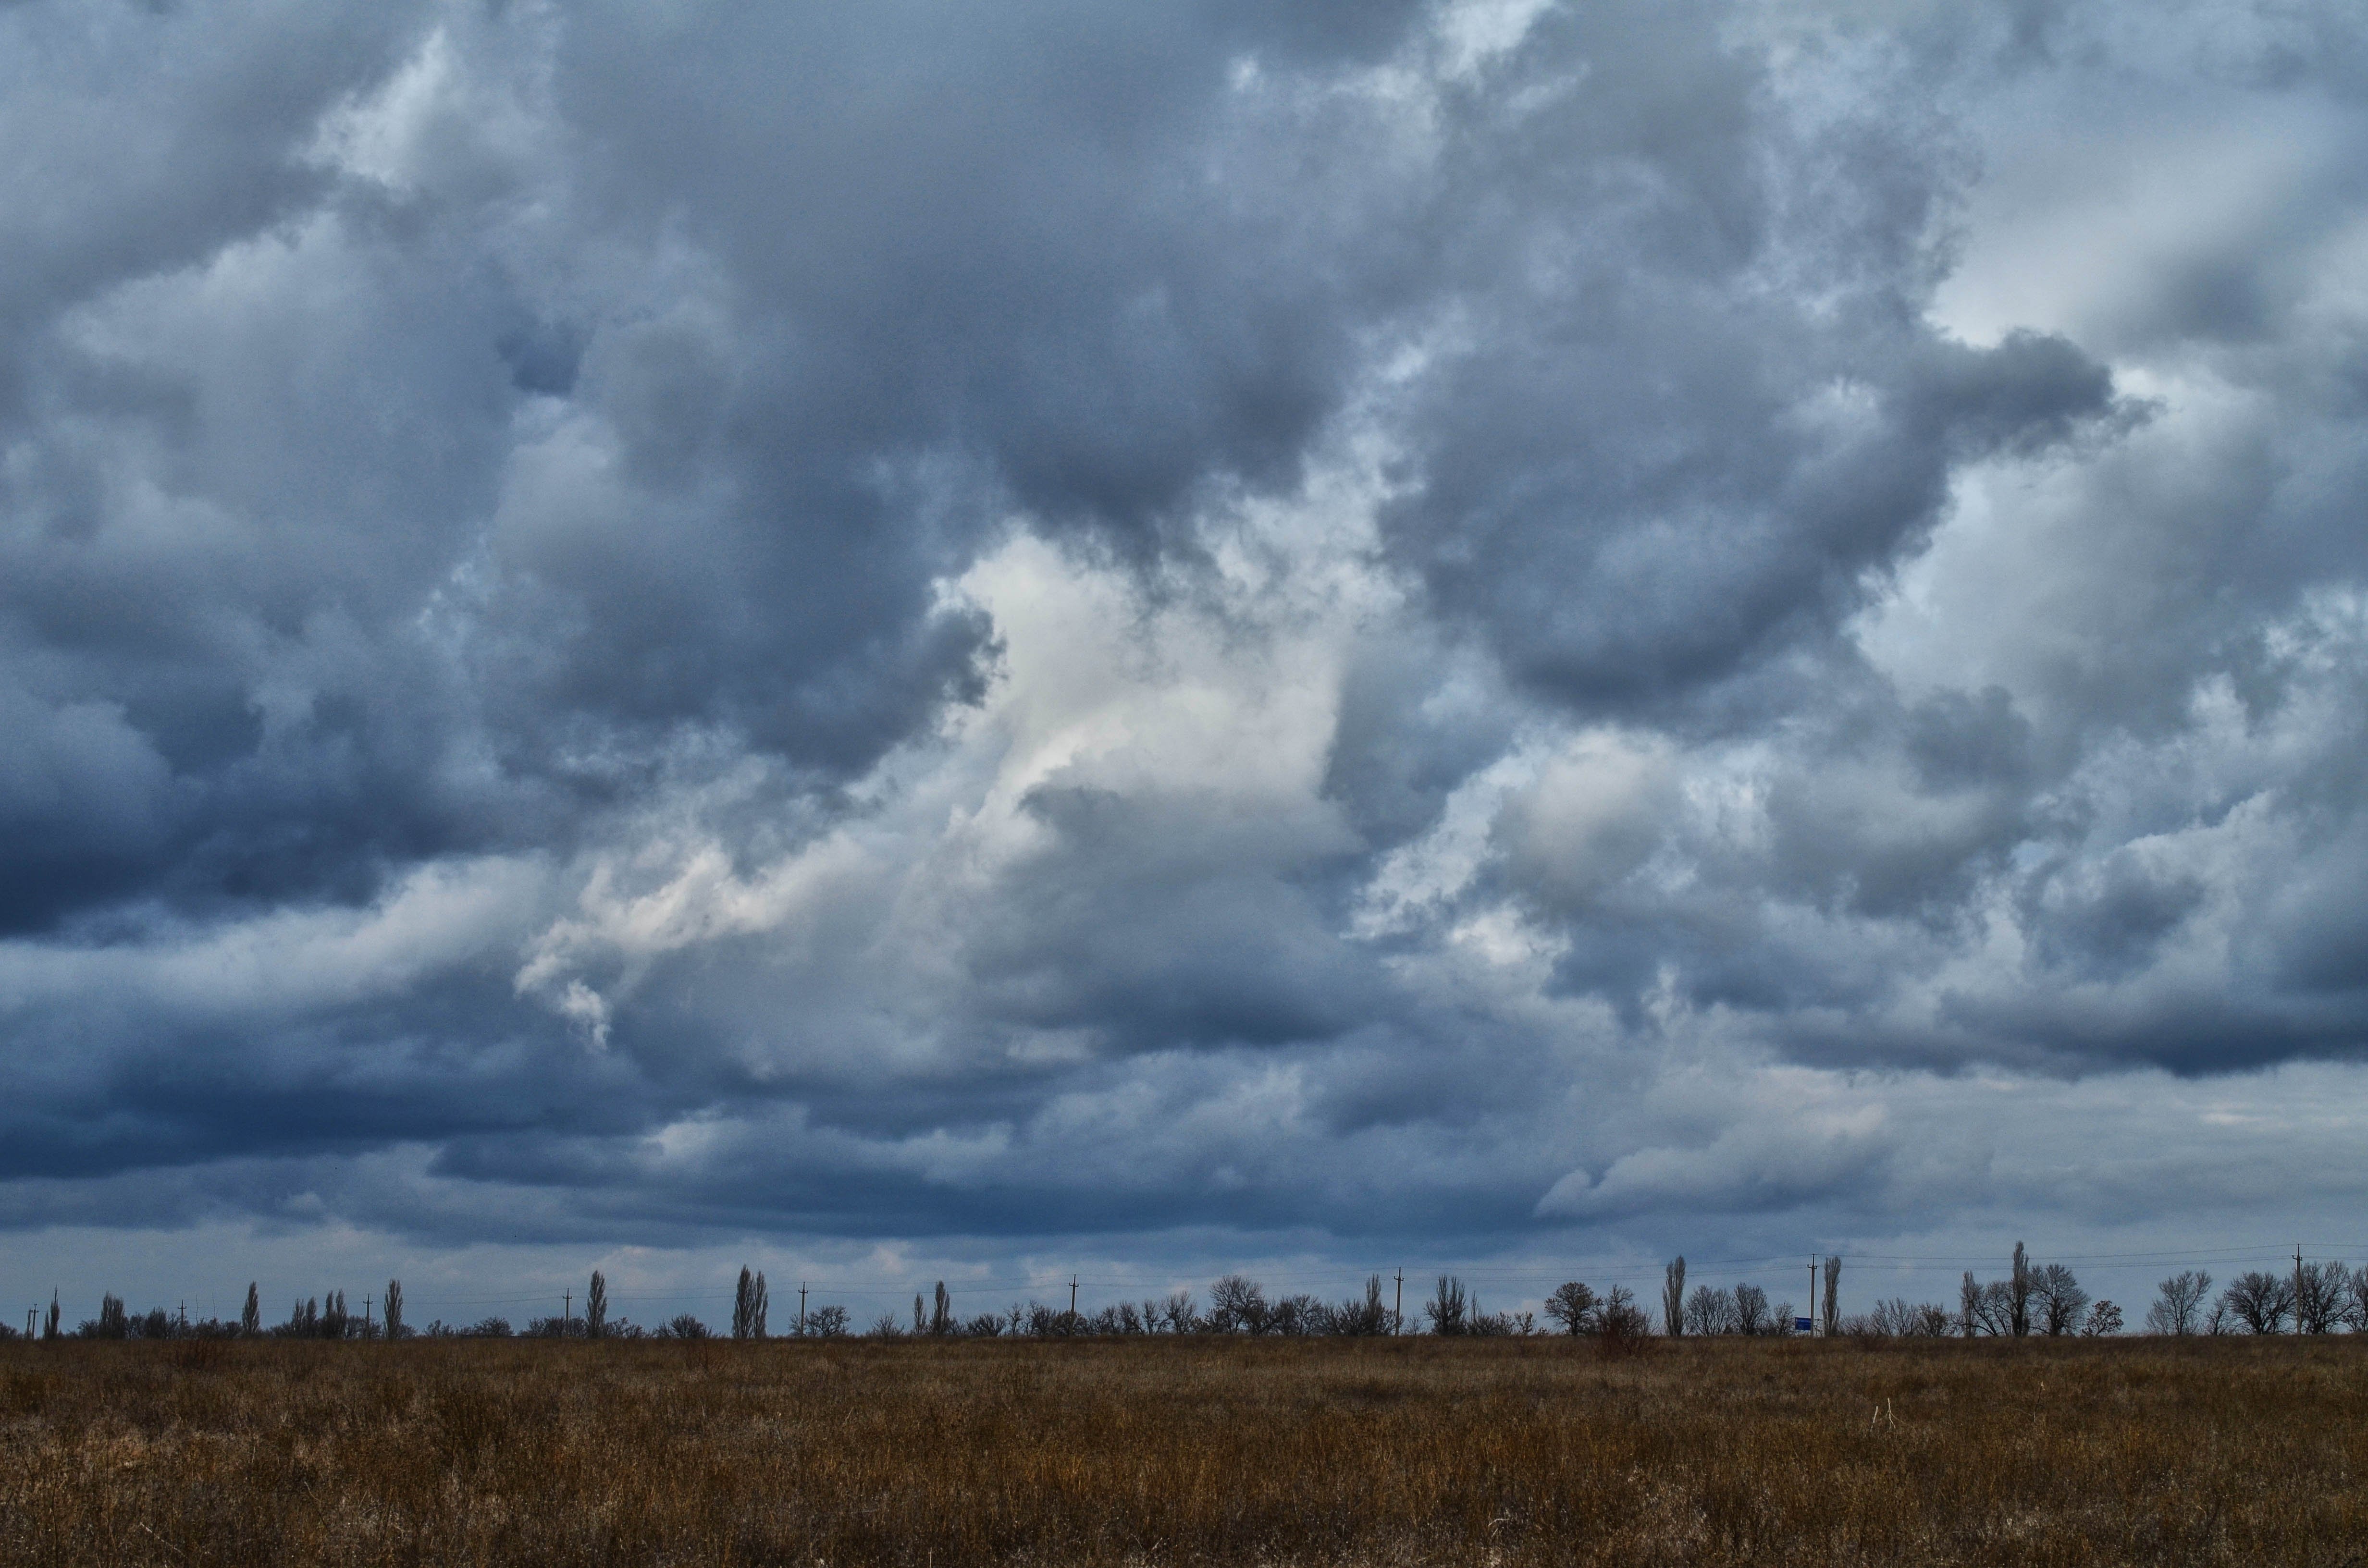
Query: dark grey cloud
{"type": "Point", "coordinates": [1467, 622]}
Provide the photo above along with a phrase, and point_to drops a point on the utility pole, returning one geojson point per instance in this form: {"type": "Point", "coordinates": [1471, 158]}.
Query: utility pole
{"type": "Point", "coordinates": [1073, 1296]}
{"type": "Point", "coordinates": [2297, 1286]}
{"type": "Point", "coordinates": [801, 1309]}
{"type": "Point", "coordinates": [566, 1310]}
{"type": "Point", "coordinates": [1397, 1317]}
{"type": "Point", "coordinates": [1813, 1290]}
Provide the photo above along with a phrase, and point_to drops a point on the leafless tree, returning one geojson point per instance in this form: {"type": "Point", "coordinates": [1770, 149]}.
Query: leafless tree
{"type": "Point", "coordinates": [941, 1313]}
{"type": "Point", "coordinates": [1237, 1305]}
{"type": "Point", "coordinates": [1969, 1304]}
{"type": "Point", "coordinates": [1993, 1308]}
{"type": "Point", "coordinates": [1178, 1313]}
{"type": "Point", "coordinates": [2177, 1308]}
{"type": "Point", "coordinates": [1623, 1321]}
{"type": "Point", "coordinates": [2019, 1294]}
{"type": "Point", "coordinates": [1710, 1310]}
{"type": "Point", "coordinates": [394, 1329]}
{"type": "Point", "coordinates": [250, 1316]}
{"type": "Point", "coordinates": [2104, 1318]}
{"type": "Point", "coordinates": [2260, 1301]}
{"type": "Point", "coordinates": [1673, 1296]}
{"type": "Point", "coordinates": [747, 1313]}
{"type": "Point", "coordinates": [2322, 1297]}
{"type": "Point", "coordinates": [2060, 1299]}
{"type": "Point", "coordinates": [1571, 1305]}
{"type": "Point", "coordinates": [1447, 1308]}
{"type": "Point", "coordinates": [1369, 1316]}
{"type": "Point", "coordinates": [1833, 1291]}
{"type": "Point", "coordinates": [596, 1307]}
{"type": "Point", "coordinates": [1751, 1311]}
{"type": "Point", "coordinates": [1901, 1319]}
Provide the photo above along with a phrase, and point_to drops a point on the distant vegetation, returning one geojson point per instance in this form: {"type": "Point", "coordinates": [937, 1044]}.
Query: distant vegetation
{"type": "Point", "coordinates": [2031, 1299]}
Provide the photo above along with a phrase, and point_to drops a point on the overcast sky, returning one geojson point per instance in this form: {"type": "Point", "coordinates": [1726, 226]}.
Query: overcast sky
{"type": "Point", "coordinates": [935, 639]}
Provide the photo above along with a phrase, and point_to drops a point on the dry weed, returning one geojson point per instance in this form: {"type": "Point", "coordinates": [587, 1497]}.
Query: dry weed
{"type": "Point", "coordinates": [1191, 1452]}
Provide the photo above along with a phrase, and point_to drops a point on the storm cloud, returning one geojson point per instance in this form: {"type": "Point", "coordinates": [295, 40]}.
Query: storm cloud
{"type": "Point", "coordinates": [1484, 626]}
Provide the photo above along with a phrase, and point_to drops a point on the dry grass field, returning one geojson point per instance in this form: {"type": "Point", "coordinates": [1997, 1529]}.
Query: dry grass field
{"type": "Point", "coordinates": [1186, 1452]}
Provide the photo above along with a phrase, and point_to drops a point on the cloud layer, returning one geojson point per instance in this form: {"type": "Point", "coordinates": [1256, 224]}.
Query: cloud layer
{"type": "Point", "coordinates": [1489, 624]}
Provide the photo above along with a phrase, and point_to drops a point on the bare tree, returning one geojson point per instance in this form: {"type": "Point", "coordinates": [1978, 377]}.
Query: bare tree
{"type": "Point", "coordinates": [2178, 1309]}
{"type": "Point", "coordinates": [1573, 1306]}
{"type": "Point", "coordinates": [2104, 1318]}
{"type": "Point", "coordinates": [1751, 1311]}
{"type": "Point", "coordinates": [1300, 1314]}
{"type": "Point", "coordinates": [1447, 1308]}
{"type": "Point", "coordinates": [1899, 1318]}
{"type": "Point", "coordinates": [743, 1306]}
{"type": "Point", "coordinates": [50, 1323]}
{"type": "Point", "coordinates": [1833, 1291]}
{"type": "Point", "coordinates": [1178, 1313]}
{"type": "Point", "coordinates": [2061, 1301]}
{"type": "Point", "coordinates": [1237, 1305]}
{"type": "Point", "coordinates": [2322, 1297]}
{"type": "Point", "coordinates": [596, 1307]}
{"type": "Point", "coordinates": [1673, 1296]}
{"type": "Point", "coordinates": [1710, 1310]}
{"type": "Point", "coordinates": [1969, 1305]}
{"type": "Point", "coordinates": [1621, 1319]}
{"type": "Point", "coordinates": [942, 1314]}
{"type": "Point", "coordinates": [2260, 1301]}
{"type": "Point", "coordinates": [1369, 1316]}
{"type": "Point", "coordinates": [250, 1316]}
{"type": "Point", "coordinates": [394, 1329]}
{"type": "Point", "coordinates": [2019, 1294]}
{"type": "Point", "coordinates": [1993, 1308]}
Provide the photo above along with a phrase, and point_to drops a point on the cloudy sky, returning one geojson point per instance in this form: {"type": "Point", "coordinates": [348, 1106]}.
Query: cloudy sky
{"type": "Point", "coordinates": [931, 639]}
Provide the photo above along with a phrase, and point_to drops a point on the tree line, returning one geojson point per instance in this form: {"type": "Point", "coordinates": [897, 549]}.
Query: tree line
{"type": "Point", "coordinates": [2030, 1299]}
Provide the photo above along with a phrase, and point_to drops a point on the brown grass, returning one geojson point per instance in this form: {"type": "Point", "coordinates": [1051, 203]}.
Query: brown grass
{"type": "Point", "coordinates": [1406, 1451]}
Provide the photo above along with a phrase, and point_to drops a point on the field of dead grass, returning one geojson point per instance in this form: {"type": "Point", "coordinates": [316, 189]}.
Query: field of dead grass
{"type": "Point", "coordinates": [1402, 1451]}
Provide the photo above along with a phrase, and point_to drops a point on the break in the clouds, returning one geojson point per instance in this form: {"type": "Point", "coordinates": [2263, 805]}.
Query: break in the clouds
{"type": "Point", "coordinates": [1489, 625]}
